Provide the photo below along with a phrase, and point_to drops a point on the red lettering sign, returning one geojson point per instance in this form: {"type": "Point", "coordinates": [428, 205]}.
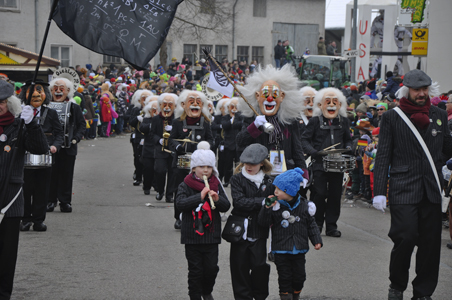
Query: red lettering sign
{"type": "Point", "coordinates": [361, 73]}
{"type": "Point", "coordinates": [365, 29]}
{"type": "Point", "coordinates": [361, 46]}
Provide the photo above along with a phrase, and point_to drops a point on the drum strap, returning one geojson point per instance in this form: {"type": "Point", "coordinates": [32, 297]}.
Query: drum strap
{"type": "Point", "coordinates": [194, 127]}
{"type": "Point", "coordinates": [5, 209]}
{"type": "Point", "coordinates": [43, 116]}
{"type": "Point", "coordinates": [330, 127]}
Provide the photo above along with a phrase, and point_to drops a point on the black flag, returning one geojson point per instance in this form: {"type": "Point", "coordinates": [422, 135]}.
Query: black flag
{"type": "Point", "coordinates": [131, 29]}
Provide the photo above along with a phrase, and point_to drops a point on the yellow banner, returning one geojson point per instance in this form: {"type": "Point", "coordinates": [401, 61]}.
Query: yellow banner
{"type": "Point", "coordinates": [419, 45]}
{"type": "Point", "coordinates": [5, 60]}
{"type": "Point", "coordinates": [420, 34]}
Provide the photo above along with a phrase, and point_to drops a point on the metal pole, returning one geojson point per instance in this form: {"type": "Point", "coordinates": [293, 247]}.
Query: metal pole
{"type": "Point", "coordinates": [354, 31]}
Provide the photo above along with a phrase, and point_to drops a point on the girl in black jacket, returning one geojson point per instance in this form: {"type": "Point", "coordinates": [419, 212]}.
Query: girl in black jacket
{"type": "Point", "coordinates": [201, 221]}
{"type": "Point", "coordinates": [249, 187]}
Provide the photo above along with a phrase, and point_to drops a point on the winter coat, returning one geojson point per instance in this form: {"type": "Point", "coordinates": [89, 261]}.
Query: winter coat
{"type": "Point", "coordinates": [279, 51]}
{"type": "Point", "coordinates": [393, 85]}
{"type": "Point", "coordinates": [321, 48]}
{"type": "Point", "coordinates": [296, 233]}
{"type": "Point", "coordinates": [247, 202]}
{"type": "Point", "coordinates": [188, 200]}
{"type": "Point", "coordinates": [231, 130]}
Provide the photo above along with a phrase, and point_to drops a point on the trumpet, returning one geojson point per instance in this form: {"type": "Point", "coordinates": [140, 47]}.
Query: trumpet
{"type": "Point", "coordinates": [206, 182]}
{"type": "Point", "coordinates": [166, 136]}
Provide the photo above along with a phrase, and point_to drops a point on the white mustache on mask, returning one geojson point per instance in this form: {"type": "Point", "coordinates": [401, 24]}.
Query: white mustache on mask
{"type": "Point", "coordinates": [59, 94]}
{"type": "Point", "coordinates": [331, 108]}
{"type": "Point", "coordinates": [194, 107]}
{"type": "Point", "coordinates": [309, 107]}
{"type": "Point", "coordinates": [166, 109]}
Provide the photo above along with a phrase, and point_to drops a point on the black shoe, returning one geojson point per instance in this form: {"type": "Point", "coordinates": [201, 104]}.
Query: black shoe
{"type": "Point", "coordinates": [50, 206]}
{"type": "Point", "coordinates": [159, 196]}
{"type": "Point", "coordinates": [169, 199]}
{"type": "Point", "coordinates": [449, 245]}
{"type": "Point", "coordinates": [395, 294]}
{"type": "Point", "coordinates": [207, 297]}
{"type": "Point", "coordinates": [178, 224]}
{"type": "Point", "coordinates": [424, 298]}
{"type": "Point", "coordinates": [271, 257]}
{"type": "Point", "coordinates": [39, 227]}
{"type": "Point", "coordinates": [65, 207]}
{"type": "Point", "coordinates": [25, 226]}
{"type": "Point", "coordinates": [147, 192]}
{"type": "Point", "coordinates": [136, 182]}
{"type": "Point", "coordinates": [226, 184]}
{"type": "Point", "coordinates": [334, 233]}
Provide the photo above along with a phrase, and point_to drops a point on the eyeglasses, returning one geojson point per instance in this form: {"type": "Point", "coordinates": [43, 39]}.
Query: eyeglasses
{"type": "Point", "coordinates": [380, 109]}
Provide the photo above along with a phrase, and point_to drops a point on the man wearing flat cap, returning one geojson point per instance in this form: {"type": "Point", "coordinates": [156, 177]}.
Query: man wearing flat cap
{"type": "Point", "coordinates": [11, 194]}
{"type": "Point", "coordinates": [414, 186]}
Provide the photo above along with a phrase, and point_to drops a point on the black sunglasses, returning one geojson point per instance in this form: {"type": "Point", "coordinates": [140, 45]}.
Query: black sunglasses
{"type": "Point", "coordinates": [380, 109]}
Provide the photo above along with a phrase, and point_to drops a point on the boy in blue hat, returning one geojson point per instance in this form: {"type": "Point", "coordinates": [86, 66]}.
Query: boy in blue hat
{"type": "Point", "coordinates": [292, 223]}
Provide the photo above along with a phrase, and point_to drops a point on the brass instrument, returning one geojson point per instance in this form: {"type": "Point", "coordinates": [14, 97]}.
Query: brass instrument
{"type": "Point", "coordinates": [206, 182]}
{"type": "Point", "coordinates": [166, 134]}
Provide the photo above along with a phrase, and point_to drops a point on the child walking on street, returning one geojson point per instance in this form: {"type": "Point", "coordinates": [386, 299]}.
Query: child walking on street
{"type": "Point", "coordinates": [292, 226]}
{"type": "Point", "coordinates": [248, 257]}
{"type": "Point", "coordinates": [201, 223]}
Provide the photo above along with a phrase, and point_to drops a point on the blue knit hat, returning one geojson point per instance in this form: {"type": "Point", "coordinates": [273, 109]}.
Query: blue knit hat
{"type": "Point", "coordinates": [289, 181]}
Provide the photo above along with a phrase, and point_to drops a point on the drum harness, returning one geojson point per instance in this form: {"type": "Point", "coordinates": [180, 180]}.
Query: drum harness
{"type": "Point", "coordinates": [324, 125]}
{"type": "Point", "coordinates": [193, 128]}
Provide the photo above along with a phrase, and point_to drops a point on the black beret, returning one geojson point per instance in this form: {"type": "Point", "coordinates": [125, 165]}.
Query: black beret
{"type": "Point", "coordinates": [6, 89]}
{"type": "Point", "coordinates": [254, 154]}
{"type": "Point", "coordinates": [416, 79]}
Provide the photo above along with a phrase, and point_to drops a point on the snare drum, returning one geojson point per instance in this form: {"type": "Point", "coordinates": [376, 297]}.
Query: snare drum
{"type": "Point", "coordinates": [37, 161]}
{"type": "Point", "coordinates": [184, 161]}
{"type": "Point", "coordinates": [338, 163]}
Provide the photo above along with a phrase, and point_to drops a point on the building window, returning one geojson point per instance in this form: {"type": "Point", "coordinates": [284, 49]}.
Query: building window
{"type": "Point", "coordinates": [221, 52]}
{"type": "Point", "coordinates": [62, 53]}
{"type": "Point", "coordinates": [112, 60]}
{"type": "Point", "coordinates": [201, 54]}
{"type": "Point", "coordinates": [260, 8]}
{"type": "Point", "coordinates": [8, 3]}
{"type": "Point", "coordinates": [207, 7]}
{"type": "Point", "coordinates": [190, 52]}
{"type": "Point", "coordinates": [243, 53]}
{"type": "Point", "coordinates": [257, 54]}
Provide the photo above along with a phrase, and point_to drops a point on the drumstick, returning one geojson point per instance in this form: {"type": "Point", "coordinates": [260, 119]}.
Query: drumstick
{"type": "Point", "coordinates": [206, 182]}
{"type": "Point", "coordinates": [331, 146]}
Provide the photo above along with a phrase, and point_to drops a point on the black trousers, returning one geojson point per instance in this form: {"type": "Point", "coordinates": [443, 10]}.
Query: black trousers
{"type": "Point", "coordinates": [137, 151]}
{"type": "Point", "coordinates": [179, 175]}
{"type": "Point", "coordinates": [249, 269]}
{"type": "Point", "coordinates": [92, 130]}
{"type": "Point", "coordinates": [291, 272]}
{"type": "Point", "coordinates": [328, 190]}
{"type": "Point", "coordinates": [221, 163]}
{"type": "Point", "coordinates": [62, 178]}
{"type": "Point", "coordinates": [162, 168]}
{"type": "Point", "coordinates": [148, 172]}
{"type": "Point", "coordinates": [229, 157]}
{"type": "Point", "coordinates": [9, 242]}
{"type": "Point", "coordinates": [415, 225]}
{"type": "Point", "coordinates": [36, 192]}
{"type": "Point", "coordinates": [202, 269]}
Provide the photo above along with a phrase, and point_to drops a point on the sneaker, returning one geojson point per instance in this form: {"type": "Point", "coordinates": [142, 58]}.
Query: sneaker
{"type": "Point", "coordinates": [449, 245]}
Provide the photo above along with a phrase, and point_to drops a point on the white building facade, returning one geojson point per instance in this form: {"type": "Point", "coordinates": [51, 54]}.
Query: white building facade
{"type": "Point", "coordinates": [258, 26]}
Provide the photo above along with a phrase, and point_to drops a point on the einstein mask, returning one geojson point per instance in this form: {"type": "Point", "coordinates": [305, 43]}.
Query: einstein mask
{"type": "Point", "coordinates": [154, 109]}
{"type": "Point", "coordinates": [211, 108]}
{"type": "Point", "coordinates": [193, 105]}
{"type": "Point", "coordinates": [60, 91]}
{"type": "Point", "coordinates": [330, 105]}
{"type": "Point", "coordinates": [38, 95]}
{"type": "Point", "coordinates": [269, 97]}
{"type": "Point", "coordinates": [167, 106]}
{"type": "Point", "coordinates": [143, 97]}
{"type": "Point", "coordinates": [233, 107]}
{"type": "Point", "coordinates": [308, 98]}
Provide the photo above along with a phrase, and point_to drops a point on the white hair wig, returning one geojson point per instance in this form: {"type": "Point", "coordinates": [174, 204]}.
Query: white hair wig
{"type": "Point", "coordinates": [183, 97]}
{"type": "Point", "coordinates": [14, 107]}
{"type": "Point", "coordinates": [148, 106]}
{"type": "Point", "coordinates": [136, 97]}
{"type": "Point", "coordinates": [290, 107]}
{"type": "Point", "coordinates": [121, 88]}
{"type": "Point", "coordinates": [68, 84]}
{"type": "Point", "coordinates": [208, 103]}
{"type": "Point", "coordinates": [319, 97]}
{"type": "Point", "coordinates": [223, 102]}
{"type": "Point", "coordinates": [404, 91]}
{"type": "Point", "coordinates": [162, 96]}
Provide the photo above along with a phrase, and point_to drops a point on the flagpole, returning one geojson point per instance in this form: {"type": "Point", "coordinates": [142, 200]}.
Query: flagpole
{"type": "Point", "coordinates": [230, 81]}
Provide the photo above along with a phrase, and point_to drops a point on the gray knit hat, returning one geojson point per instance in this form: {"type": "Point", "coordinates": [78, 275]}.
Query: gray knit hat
{"type": "Point", "coordinates": [362, 108]}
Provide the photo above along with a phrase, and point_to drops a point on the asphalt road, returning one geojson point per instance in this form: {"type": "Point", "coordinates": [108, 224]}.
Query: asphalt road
{"type": "Point", "coordinates": [113, 246]}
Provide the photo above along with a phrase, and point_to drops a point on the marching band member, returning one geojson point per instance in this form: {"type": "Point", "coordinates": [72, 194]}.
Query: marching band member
{"type": "Point", "coordinates": [151, 109]}
{"type": "Point", "coordinates": [217, 131]}
{"type": "Point", "coordinates": [37, 180]}
{"type": "Point", "coordinates": [33, 141]}
{"type": "Point", "coordinates": [307, 96]}
{"type": "Point", "coordinates": [328, 126]}
{"type": "Point", "coordinates": [192, 123]}
{"type": "Point", "coordinates": [63, 168]}
{"type": "Point", "coordinates": [137, 138]}
{"type": "Point", "coordinates": [273, 93]}
{"type": "Point", "coordinates": [231, 125]}
{"type": "Point", "coordinates": [160, 130]}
